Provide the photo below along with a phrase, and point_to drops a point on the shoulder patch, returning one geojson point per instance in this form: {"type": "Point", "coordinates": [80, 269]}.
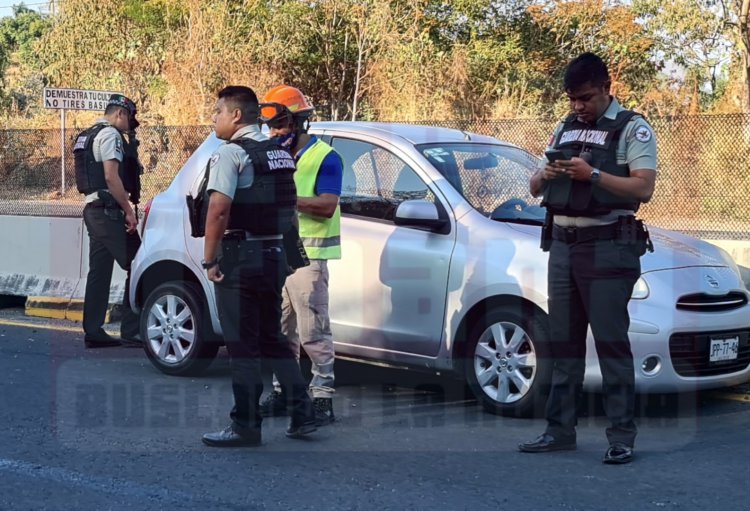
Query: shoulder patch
{"type": "Point", "coordinates": [118, 144]}
{"type": "Point", "coordinates": [214, 158]}
{"type": "Point", "coordinates": [643, 134]}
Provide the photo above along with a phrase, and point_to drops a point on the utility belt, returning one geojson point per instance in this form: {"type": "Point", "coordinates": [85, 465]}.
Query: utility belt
{"type": "Point", "coordinates": [583, 234]}
{"type": "Point", "coordinates": [105, 201]}
{"type": "Point", "coordinates": [626, 230]}
{"type": "Point", "coordinates": [240, 235]}
{"type": "Point", "coordinates": [252, 253]}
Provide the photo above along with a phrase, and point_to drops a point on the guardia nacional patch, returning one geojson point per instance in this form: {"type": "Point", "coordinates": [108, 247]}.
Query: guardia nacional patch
{"type": "Point", "coordinates": [643, 134]}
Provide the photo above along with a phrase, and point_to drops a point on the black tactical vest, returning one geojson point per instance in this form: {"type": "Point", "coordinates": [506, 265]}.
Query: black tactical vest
{"type": "Point", "coordinates": [266, 207]}
{"type": "Point", "coordinates": [89, 172]}
{"type": "Point", "coordinates": [563, 196]}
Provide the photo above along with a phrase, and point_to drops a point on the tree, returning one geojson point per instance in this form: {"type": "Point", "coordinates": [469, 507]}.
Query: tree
{"type": "Point", "coordinates": [692, 34]}
{"type": "Point", "coordinates": [741, 9]}
{"type": "Point", "coordinates": [111, 45]}
{"type": "Point", "coordinates": [608, 29]}
{"type": "Point", "coordinates": [18, 36]}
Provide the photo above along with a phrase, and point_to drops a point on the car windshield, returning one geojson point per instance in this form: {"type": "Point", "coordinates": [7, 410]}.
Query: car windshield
{"type": "Point", "coordinates": [494, 179]}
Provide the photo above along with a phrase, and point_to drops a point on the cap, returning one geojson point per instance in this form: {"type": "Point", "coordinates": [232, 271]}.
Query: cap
{"type": "Point", "coordinates": [126, 103]}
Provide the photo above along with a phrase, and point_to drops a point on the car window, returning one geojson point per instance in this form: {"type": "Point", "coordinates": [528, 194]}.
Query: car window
{"type": "Point", "coordinates": [376, 181]}
{"type": "Point", "coordinates": [494, 179]}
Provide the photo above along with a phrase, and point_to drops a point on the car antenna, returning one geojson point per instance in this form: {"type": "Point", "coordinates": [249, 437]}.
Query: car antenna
{"type": "Point", "coordinates": [467, 137]}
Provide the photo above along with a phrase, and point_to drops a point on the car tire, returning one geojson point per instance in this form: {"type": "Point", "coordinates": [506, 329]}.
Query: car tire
{"type": "Point", "coordinates": [175, 329]}
{"type": "Point", "coordinates": [506, 365]}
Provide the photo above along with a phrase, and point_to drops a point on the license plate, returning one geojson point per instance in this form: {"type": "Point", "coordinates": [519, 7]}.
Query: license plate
{"type": "Point", "coordinates": [723, 349]}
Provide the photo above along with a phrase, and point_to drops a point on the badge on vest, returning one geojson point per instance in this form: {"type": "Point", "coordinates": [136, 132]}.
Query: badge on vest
{"type": "Point", "coordinates": [643, 134]}
{"type": "Point", "coordinates": [595, 137]}
{"type": "Point", "coordinates": [81, 143]}
{"type": "Point", "coordinates": [279, 160]}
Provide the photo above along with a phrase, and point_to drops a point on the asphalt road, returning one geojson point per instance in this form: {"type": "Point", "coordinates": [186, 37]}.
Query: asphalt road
{"type": "Point", "coordinates": [102, 429]}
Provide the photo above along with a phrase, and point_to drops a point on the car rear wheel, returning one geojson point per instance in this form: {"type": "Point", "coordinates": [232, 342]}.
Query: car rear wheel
{"type": "Point", "coordinates": [505, 367]}
{"type": "Point", "coordinates": [175, 331]}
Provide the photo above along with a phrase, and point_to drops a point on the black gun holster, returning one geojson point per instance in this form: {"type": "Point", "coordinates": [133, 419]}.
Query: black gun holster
{"type": "Point", "coordinates": [547, 227]}
{"type": "Point", "coordinates": [633, 231]}
{"type": "Point", "coordinates": [111, 208]}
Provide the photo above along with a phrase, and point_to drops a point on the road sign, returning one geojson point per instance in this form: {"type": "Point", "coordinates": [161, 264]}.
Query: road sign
{"type": "Point", "coordinates": [76, 99]}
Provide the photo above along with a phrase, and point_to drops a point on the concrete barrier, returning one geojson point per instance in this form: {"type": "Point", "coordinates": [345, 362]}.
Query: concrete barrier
{"type": "Point", "coordinates": [46, 259]}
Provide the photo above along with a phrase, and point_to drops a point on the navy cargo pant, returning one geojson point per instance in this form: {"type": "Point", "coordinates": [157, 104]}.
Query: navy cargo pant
{"type": "Point", "coordinates": [590, 283]}
{"type": "Point", "coordinates": [249, 305]}
{"type": "Point", "coordinates": [108, 243]}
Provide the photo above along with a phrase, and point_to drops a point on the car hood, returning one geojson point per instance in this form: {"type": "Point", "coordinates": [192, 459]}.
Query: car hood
{"type": "Point", "coordinates": [671, 250]}
{"type": "Point", "coordinates": [675, 250]}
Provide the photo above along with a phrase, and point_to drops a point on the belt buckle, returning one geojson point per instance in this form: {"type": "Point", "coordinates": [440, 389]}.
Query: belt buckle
{"type": "Point", "coordinates": [571, 234]}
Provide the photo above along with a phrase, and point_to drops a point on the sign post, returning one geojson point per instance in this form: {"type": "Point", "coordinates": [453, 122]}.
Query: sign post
{"type": "Point", "coordinates": [73, 99]}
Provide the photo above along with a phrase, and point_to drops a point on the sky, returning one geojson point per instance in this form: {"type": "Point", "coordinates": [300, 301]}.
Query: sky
{"type": "Point", "coordinates": [37, 5]}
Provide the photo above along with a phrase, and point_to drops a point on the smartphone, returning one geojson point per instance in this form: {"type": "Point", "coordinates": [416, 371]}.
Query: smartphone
{"type": "Point", "coordinates": [554, 155]}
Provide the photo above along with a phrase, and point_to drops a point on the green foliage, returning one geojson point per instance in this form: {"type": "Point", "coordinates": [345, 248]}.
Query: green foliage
{"type": "Point", "coordinates": [18, 36]}
{"type": "Point", "coordinates": [698, 35]}
{"type": "Point", "coordinates": [19, 33]}
{"type": "Point", "coordinates": [381, 59]}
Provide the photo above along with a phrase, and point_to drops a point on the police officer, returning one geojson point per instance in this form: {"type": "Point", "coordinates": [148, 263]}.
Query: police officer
{"type": "Point", "coordinates": [318, 178]}
{"type": "Point", "coordinates": [606, 170]}
{"type": "Point", "coordinates": [108, 179]}
{"type": "Point", "coordinates": [251, 204]}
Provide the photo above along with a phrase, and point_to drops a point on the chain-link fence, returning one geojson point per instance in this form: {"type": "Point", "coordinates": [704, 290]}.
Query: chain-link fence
{"type": "Point", "coordinates": [703, 185]}
{"type": "Point", "coordinates": [31, 167]}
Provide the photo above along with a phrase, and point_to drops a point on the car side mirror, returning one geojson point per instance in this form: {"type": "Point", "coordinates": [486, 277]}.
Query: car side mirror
{"type": "Point", "coordinates": [421, 214]}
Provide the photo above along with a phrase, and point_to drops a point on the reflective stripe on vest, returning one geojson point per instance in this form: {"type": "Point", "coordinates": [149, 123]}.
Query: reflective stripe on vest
{"type": "Point", "coordinates": [320, 236]}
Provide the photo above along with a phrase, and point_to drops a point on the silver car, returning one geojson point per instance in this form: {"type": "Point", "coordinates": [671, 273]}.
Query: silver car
{"type": "Point", "coordinates": [442, 271]}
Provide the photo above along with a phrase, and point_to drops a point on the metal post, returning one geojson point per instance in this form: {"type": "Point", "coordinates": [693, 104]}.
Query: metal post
{"type": "Point", "coordinates": [62, 149]}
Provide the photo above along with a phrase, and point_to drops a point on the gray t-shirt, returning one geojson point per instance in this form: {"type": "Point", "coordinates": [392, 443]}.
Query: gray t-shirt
{"type": "Point", "coordinates": [230, 166]}
{"type": "Point", "coordinates": [108, 143]}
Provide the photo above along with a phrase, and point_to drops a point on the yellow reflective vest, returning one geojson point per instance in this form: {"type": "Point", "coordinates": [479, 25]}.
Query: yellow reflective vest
{"type": "Point", "coordinates": [321, 236]}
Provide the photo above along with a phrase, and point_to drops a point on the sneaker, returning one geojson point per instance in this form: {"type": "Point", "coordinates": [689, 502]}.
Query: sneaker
{"type": "Point", "coordinates": [323, 411]}
{"type": "Point", "coordinates": [275, 405]}
{"type": "Point", "coordinates": [227, 437]}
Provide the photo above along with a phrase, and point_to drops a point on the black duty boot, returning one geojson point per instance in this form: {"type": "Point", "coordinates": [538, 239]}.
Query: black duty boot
{"type": "Point", "coordinates": [301, 427]}
{"type": "Point", "coordinates": [274, 405]}
{"type": "Point", "coordinates": [100, 339]}
{"type": "Point", "coordinates": [323, 411]}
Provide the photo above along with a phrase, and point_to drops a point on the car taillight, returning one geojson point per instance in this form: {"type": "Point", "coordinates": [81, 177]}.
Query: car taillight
{"type": "Point", "coordinates": [146, 210]}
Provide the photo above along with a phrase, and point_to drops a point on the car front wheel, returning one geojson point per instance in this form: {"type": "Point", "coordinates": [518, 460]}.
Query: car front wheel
{"type": "Point", "coordinates": [504, 366]}
{"type": "Point", "coordinates": [175, 331]}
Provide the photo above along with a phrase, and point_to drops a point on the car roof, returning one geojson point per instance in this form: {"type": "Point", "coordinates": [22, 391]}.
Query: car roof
{"type": "Point", "coordinates": [414, 133]}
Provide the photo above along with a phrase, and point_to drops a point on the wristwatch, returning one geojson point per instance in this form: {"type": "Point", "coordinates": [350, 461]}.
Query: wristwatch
{"type": "Point", "coordinates": [209, 264]}
{"type": "Point", "coordinates": [596, 176]}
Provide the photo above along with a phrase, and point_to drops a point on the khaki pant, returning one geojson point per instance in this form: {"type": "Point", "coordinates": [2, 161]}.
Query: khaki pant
{"type": "Point", "coordinates": [306, 323]}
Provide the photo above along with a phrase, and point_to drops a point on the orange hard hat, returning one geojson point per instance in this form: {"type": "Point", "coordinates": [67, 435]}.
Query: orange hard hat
{"type": "Point", "coordinates": [282, 99]}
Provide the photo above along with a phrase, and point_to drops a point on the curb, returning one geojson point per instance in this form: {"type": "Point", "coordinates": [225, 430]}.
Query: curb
{"type": "Point", "coordinates": [63, 308]}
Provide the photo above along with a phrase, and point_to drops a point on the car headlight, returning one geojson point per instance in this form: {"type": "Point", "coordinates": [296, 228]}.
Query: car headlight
{"type": "Point", "coordinates": [640, 290]}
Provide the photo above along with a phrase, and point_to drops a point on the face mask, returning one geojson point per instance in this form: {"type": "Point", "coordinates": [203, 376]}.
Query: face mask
{"type": "Point", "coordinates": [286, 141]}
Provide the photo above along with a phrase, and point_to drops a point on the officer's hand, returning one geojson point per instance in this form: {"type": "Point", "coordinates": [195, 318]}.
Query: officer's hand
{"type": "Point", "coordinates": [552, 171]}
{"type": "Point", "coordinates": [130, 221]}
{"type": "Point", "coordinates": [214, 274]}
{"type": "Point", "coordinates": [576, 168]}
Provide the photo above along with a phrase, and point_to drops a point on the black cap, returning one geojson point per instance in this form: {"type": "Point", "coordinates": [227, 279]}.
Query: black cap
{"type": "Point", "coordinates": [127, 104]}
